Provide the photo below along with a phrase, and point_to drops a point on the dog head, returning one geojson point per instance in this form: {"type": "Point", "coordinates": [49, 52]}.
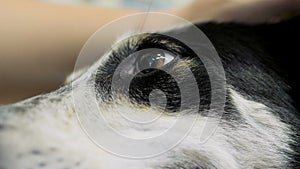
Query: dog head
{"type": "Point", "coordinates": [142, 89]}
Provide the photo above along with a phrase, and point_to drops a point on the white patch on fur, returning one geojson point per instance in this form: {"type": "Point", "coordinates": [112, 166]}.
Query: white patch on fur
{"type": "Point", "coordinates": [263, 139]}
{"type": "Point", "coordinates": [260, 140]}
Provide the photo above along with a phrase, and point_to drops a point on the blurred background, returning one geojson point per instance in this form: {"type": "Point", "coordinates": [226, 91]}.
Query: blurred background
{"type": "Point", "coordinates": [137, 4]}
{"type": "Point", "coordinates": [41, 39]}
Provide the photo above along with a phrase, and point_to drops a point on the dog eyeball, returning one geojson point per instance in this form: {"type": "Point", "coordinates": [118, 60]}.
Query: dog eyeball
{"type": "Point", "coordinates": [154, 60]}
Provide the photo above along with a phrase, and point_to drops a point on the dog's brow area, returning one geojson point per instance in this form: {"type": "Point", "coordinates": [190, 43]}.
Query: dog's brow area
{"type": "Point", "coordinates": [125, 47]}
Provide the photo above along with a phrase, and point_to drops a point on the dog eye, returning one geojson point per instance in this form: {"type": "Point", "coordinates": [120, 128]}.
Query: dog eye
{"type": "Point", "coordinates": [154, 59]}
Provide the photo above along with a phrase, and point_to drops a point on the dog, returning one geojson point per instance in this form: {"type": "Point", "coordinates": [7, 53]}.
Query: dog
{"type": "Point", "coordinates": [259, 126]}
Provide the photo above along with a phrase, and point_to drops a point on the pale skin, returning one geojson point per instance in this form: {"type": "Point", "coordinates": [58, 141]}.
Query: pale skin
{"type": "Point", "coordinates": [40, 41]}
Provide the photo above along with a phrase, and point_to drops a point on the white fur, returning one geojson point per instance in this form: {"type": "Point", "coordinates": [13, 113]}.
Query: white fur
{"type": "Point", "coordinates": [53, 129]}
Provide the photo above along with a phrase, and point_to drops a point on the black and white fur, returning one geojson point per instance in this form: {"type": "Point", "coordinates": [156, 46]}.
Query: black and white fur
{"type": "Point", "coordinates": [259, 128]}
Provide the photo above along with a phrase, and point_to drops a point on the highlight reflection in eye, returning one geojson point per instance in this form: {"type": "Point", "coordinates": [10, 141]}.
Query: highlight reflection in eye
{"type": "Point", "coordinates": [154, 59]}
